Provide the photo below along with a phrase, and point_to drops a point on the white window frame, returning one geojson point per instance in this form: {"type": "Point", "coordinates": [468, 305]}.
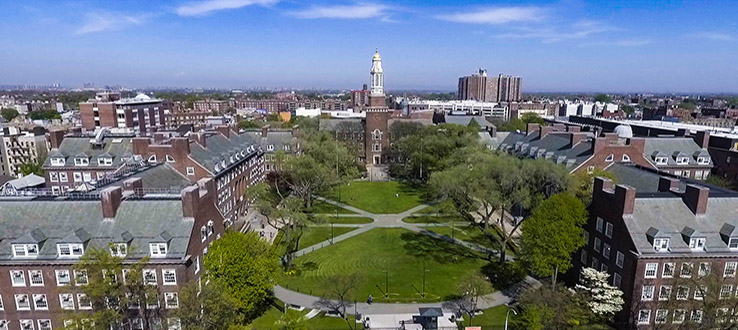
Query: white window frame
{"type": "Point", "coordinates": [149, 281]}
{"type": "Point", "coordinates": [14, 276]}
{"type": "Point", "coordinates": [168, 296]}
{"type": "Point", "coordinates": [651, 270]}
{"type": "Point", "coordinates": [53, 176]}
{"type": "Point", "coordinates": [626, 158]}
{"type": "Point", "coordinates": [682, 315]}
{"type": "Point", "coordinates": [57, 161]}
{"type": "Point", "coordinates": [704, 271]}
{"type": "Point", "coordinates": [77, 176]}
{"type": "Point", "coordinates": [606, 251]}
{"type": "Point", "coordinates": [70, 305]}
{"type": "Point", "coordinates": [665, 267]}
{"type": "Point", "coordinates": [733, 243]}
{"type": "Point", "coordinates": [190, 170]}
{"type": "Point", "coordinates": [661, 316]}
{"type": "Point", "coordinates": [197, 264]}
{"type": "Point", "coordinates": [600, 224]}
{"type": "Point", "coordinates": [700, 292]}
{"type": "Point", "coordinates": [81, 161]}
{"type": "Point", "coordinates": [647, 314]}
{"type": "Point", "coordinates": [24, 250]}
{"type": "Point", "coordinates": [81, 274]}
{"type": "Point", "coordinates": [57, 272]}
{"type": "Point", "coordinates": [696, 316]}
{"type": "Point", "coordinates": [174, 323]}
{"type": "Point", "coordinates": [170, 159]}
{"type": "Point", "coordinates": [598, 244]}
{"type": "Point", "coordinates": [682, 289]}
{"type": "Point", "coordinates": [664, 292]}
{"type": "Point", "coordinates": [82, 297]}
{"type": "Point", "coordinates": [167, 272]}
{"type": "Point", "coordinates": [63, 177]}
{"type": "Point", "coordinates": [86, 176]}
{"type": "Point", "coordinates": [35, 272]}
{"type": "Point", "coordinates": [661, 244]}
{"type": "Point", "coordinates": [76, 250]}
{"type": "Point", "coordinates": [118, 249]}
{"type": "Point", "coordinates": [44, 324]}
{"type": "Point", "coordinates": [18, 298]}
{"type": "Point", "coordinates": [729, 293]}
{"type": "Point", "coordinates": [689, 268]}
{"type": "Point", "coordinates": [730, 269]}
{"type": "Point", "coordinates": [158, 250]}
{"type": "Point", "coordinates": [26, 324]}
{"type": "Point", "coordinates": [608, 229]}
{"type": "Point", "coordinates": [610, 158]}
{"type": "Point", "coordinates": [647, 292]}
{"type": "Point", "coordinates": [619, 259]}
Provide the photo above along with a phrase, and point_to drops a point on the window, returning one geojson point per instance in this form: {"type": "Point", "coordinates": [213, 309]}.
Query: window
{"type": "Point", "coordinates": [606, 250]}
{"type": "Point", "coordinates": [703, 160]}
{"type": "Point", "coordinates": [17, 278]}
{"type": "Point", "coordinates": [665, 292]}
{"type": "Point", "coordinates": [81, 161]}
{"type": "Point", "coordinates": [661, 160]}
{"type": "Point", "coordinates": [124, 273]}
{"type": "Point", "coordinates": [63, 177]}
{"type": "Point", "coordinates": [57, 161]}
{"type": "Point", "coordinates": [62, 277]}
{"type": "Point", "coordinates": [105, 161]}
{"type": "Point", "coordinates": [610, 158]}
{"type": "Point", "coordinates": [169, 276]}
{"type": "Point", "coordinates": [270, 147]}
{"type": "Point", "coordinates": [647, 293]}
{"type": "Point", "coordinates": [171, 300]}
{"type": "Point", "coordinates": [682, 160]}
{"type": "Point", "coordinates": [86, 176]}
{"type": "Point", "coordinates": [726, 290]}
{"type": "Point", "coordinates": [211, 227]}
{"type": "Point", "coordinates": [730, 269]}
{"type": "Point", "coordinates": [70, 250]}
{"type": "Point", "coordinates": [626, 158]}
{"type": "Point", "coordinates": [608, 230]}
{"type": "Point", "coordinates": [22, 303]}
{"type": "Point", "coordinates": [661, 316]}
{"type": "Point", "coordinates": [644, 316]}
{"type": "Point", "coordinates": [203, 234]}
{"type": "Point", "coordinates": [697, 244]}
{"type": "Point", "coordinates": [174, 324]}
{"type": "Point", "coordinates": [661, 244]}
{"type": "Point", "coordinates": [682, 292]}
{"type": "Point", "coordinates": [619, 258]}
{"type": "Point", "coordinates": [584, 257]}
{"type": "Point", "coordinates": [80, 277]}
{"type": "Point", "coordinates": [149, 276]}
{"type": "Point", "coordinates": [152, 159]}
{"type": "Point", "coordinates": [679, 316]}
{"type": "Point", "coordinates": [26, 324]}
{"type": "Point", "coordinates": [158, 249]}
{"type": "Point", "coordinates": [651, 269]}
{"type": "Point", "coordinates": [36, 277]}
{"type": "Point", "coordinates": [77, 176]}
{"type": "Point", "coordinates": [197, 264]}
{"type": "Point", "coordinates": [733, 243]}
{"type": "Point", "coordinates": [66, 300]}
{"type": "Point", "coordinates": [190, 170]}
{"type": "Point", "coordinates": [44, 324]}
{"type": "Point", "coordinates": [668, 271]}
{"type": "Point", "coordinates": [2, 307]}
{"type": "Point", "coordinates": [84, 302]}
{"type": "Point", "coordinates": [586, 238]}
{"type": "Point", "coordinates": [704, 269]}
{"type": "Point", "coordinates": [136, 324]}
{"type": "Point", "coordinates": [598, 244]}
{"type": "Point", "coordinates": [118, 249]}
{"type": "Point", "coordinates": [699, 292]}
{"type": "Point", "coordinates": [152, 302]}
{"type": "Point", "coordinates": [599, 224]}
{"type": "Point", "coordinates": [170, 159]}
{"type": "Point", "coordinates": [686, 269]}
{"type": "Point", "coordinates": [25, 250]}
{"type": "Point", "coordinates": [696, 316]}
{"type": "Point", "coordinates": [603, 268]}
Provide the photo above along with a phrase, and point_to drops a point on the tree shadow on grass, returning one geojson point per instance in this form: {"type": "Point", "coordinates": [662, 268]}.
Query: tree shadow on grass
{"type": "Point", "coordinates": [504, 276]}
{"type": "Point", "coordinates": [439, 248]}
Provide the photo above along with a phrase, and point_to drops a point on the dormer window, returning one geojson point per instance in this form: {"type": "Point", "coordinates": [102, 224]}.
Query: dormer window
{"type": "Point", "coordinates": [118, 249]}
{"type": "Point", "coordinates": [703, 160]}
{"type": "Point", "coordinates": [733, 243]}
{"type": "Point", "coordinates": [152, 159]}
{"type": "Point", "coordinates": [610, 158]}
{"type": "Point", "coordinates": [105, 161]}
{"type": "Point", "coordinates": [682, 160]}
{"type": "Point", "coordinates": [270, 147]}
{"type": "Point", "coordinates": [57, 161]}
{"type": "Point", "coordinates": [25, 250]}
{"type": "Point", "coordinates": [697, 244]}
{"type": "Point", "coordinates": [70, 250]}
{"type": "Point", "coordinates": [170, 159]}
{"type": "Point", "coordinates": [626, 158]}
{"type": "Point", "coordinates": [81, 161]}
{"type": "Point", "coordinates": [661, 160]}
{"type": "Point", "coordinates": [661, 244]}
{"type": "Point", "coordinates": [158, 250]}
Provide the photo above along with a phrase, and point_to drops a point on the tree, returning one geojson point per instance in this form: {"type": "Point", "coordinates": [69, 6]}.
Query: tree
{"type": "Point", "coordinates": [531, 117]}
{"type": "Point", "coordinates": [603, 299]}
{"type": "Point", "coordinates": [583, 183]}
{"type": "Point", "coordinates": [471, 289]}
{"type": "Point", "coordinates": [31, 168]}
{"type": "Point", "coordinates": [246, 124]}
{"type": "Point", "coordinates": [306, 177]}
{"type": "Point", "coordinates": [292, 320]}
{"type": "Point", "coordinates": [44, 115]}
{"type": "Point", "coordinates": [243, 264]}
{"type": "Point", "coordinates": [206, 308]}
{"type": "Point", "coordinates": [629, 110]}
{"type": "Point", "coordinates": [550, 307]}
{"type": "Point", "coordinates": [604, 98]}
{"type": "Point", "coordinates": [113, 289]}
{"type": "Point", "coordinates": [9, 113]}
{"type": "Point", "coordinates": [340, 294]}
{"type": "Point", "coordinates": [552, 234]}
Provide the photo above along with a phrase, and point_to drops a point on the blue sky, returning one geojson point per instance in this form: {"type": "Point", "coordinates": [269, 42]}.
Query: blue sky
{"type": "Point", "coordinates": [567, 45]}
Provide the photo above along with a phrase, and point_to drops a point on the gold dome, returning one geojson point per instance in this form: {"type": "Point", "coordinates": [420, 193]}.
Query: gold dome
{"type": "Point", "coordinates": [376, 55]}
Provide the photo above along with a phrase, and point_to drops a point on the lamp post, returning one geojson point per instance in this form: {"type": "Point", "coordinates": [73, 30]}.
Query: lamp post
{"type": "Point", "coordinates": [508, 314]}
{"type": "Point", "coordinates": [424, 271]}
{"type": "Point", "coordinates": [386, 284]}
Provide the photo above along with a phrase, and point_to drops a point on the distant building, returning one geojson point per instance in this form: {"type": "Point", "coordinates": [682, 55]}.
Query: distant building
{"type": "Point", "coordinates": [360, 99]}
{"type": "Point", "coordinates": [480, 87]}
{"type": "Point", "coordinates": [273, 141]}
{"type": "Point", "coordinates": [469, 107]}
{"type": "Point", "coordinates": [211, 106]}
{"type": "Point", "coordinates": [138, 114]}
{"type": "Point", "coordinates": [19, 147]}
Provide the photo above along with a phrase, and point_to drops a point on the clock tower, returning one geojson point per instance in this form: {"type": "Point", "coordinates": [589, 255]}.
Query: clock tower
{"type": "Point", "coordinates": [377, 115]}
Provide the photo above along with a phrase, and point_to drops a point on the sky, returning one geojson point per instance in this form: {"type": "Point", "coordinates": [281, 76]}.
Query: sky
{"type": "Point", "coordinates": [556, 46]}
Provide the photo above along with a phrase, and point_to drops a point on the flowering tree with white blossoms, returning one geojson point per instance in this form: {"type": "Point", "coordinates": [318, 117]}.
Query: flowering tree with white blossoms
{"type": "Point", "coordinates": [603, 299]}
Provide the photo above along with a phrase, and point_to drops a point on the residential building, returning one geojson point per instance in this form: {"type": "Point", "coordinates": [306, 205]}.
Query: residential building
{"type": "Point", "coordinates": [211, 106]}
{"type": "Point", "coordinates": [43, 239]}
{"type": "Point", "coordinates": [19, 147]}
{"type": "Point", "coordinates": [659, 243]}
{"type": "Point", "coordinates": [138, 114]}
{"type": "Point", "coordinates": [481, 87]}
{"type": "Point", "coordinates": [273, 141]}
{"type": "Point", "coordinates": [470, 107]}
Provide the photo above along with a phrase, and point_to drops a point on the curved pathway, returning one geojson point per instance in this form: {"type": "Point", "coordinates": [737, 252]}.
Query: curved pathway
{"type": "Point", "coordinates": [389, 221]}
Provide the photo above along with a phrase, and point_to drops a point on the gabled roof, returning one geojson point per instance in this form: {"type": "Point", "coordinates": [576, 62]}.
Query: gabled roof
{"type": "Point", "coordinates": [431, 312]}
{"type": "Point", "coordinates": [219, 149]}
{"type": "Point", "coordinates": [674, 146]}
{"type": "Point", "coordinates": [78, 236]}
{"type": "Point", "coordinates": [33, 237]}
{"type": "Point", "coordinates": [79, 146]}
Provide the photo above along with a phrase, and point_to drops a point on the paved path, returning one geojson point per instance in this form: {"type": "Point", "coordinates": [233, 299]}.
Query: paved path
{"type": "Point", "coordinates": [390, 221]}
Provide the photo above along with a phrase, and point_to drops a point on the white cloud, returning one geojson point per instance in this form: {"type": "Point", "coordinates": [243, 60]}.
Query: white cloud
{"type": "Point", "coordinates": [716, 36]}
{"type": "Point", "coordinates": [103, 21]}
{"type": "Point", "coordinates": [501, 15]}
{"type": "Point", "coordinates": [621, 43]}
{"type": "Point", "coordinates": [579, 30]}
{"type": "Point", "coordinates": [358, 11]}
{"type": "Point", "coordinates": [199, 8]}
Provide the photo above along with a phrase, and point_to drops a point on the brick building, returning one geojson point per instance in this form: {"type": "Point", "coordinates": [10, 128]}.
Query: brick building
{"type": "Point", "coordinates": [138, 114]}
{"type": "Point", "coordinates": [660, 242]}
{"type": "Point", "coordinates": [18, 147]}
{"type": "Point", "coordinates": [481, 87]}
{"type": "Point", "coordinates": [42, 239]}
{"type": "Point", "coordinates": [272, 141]}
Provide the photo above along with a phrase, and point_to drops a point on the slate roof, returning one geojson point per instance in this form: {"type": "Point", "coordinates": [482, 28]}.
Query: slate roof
{"type": "Point", "coordinates": [220, 149]}
{"type": "Point", "coordinates": [465, 120]}
{"type": "Point", "coordinates": [157, 176]}
{"type": "Point", "coordinates": [277, 139]}
{"type": "Point", "coordinates": [72, 146]}
{"type": "Point", "coordinates": [553, 147]}
{"type": "Point", "coordinates": [342, 125]}
{"type": "Point", "coordinates": [646, 180]}
{"type": "Point", "coordinates": [50, 222]}
{"type": "Point", "coordinates": [671, 147]}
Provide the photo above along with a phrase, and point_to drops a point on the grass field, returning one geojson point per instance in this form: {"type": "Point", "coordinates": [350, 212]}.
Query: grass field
{"type": "Point", "coordinates": [321, 207]}
{"type": "Point", "coordinates": [469, 234]}
{"type": "Point", "coordinates": [492, 319]}
{"type": "Point", "coordinates": [348, 220]}
{"type": "Point", "coordinates": [315, 235]}
{"type": "Point", "coordinates": [399, 252]}
{"type": "Point", "coordinates": [269, 319]}
{"type": "Point", "coordinates": [379, 197]}
{"type": "Point", "coordinates": [431, 219]}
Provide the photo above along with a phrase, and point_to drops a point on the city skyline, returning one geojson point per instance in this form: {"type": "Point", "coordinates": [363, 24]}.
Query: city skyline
{"type": "Point", "coordinates": [565, 46]}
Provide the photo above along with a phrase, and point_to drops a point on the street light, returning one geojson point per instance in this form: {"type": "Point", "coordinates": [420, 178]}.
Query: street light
{"type": "Point", "coordinates": [508, 314]}
{"type": "Point", "coordinates": [386, 284]}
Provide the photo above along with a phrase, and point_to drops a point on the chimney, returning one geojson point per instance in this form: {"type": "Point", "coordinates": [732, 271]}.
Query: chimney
{"type": "Point", "coordinates": [702, 138]}
{"type": "Point", "coordinates": [573, 129]}
{"type": "Point", "coordinates": [134, 185]}
{"type": "Point", "coordinates": [264, 130]}
{"type": "Point", "coordinates": [638, 144]}
{"type": "Point", "coordinates": [207, 189]}
{"type": "Point", "coordinates": [625, 198]}
{"type": "Point", "coordinates": [190, 201]}
{"type": "Point", "coordinates": [598, 144]}
{"type": "Point", "coordinates": [559, 127]}
{"type": "Point", "coordinates": [180, 147]}
{"type": "Point", "coordinates": [611, 136]}
{"type": "Point", "coordinates": [576, 137]}
{"type": "Point", "coordinates": [532, 127]}
{"type": "Point", "coordinates": [667, 184]}
{"type": "Point", "coordinates": [56, 137]}
{"type": "Point", "coordinates": [696, 198]}
{"type": "Point", "coordinates": [111, 199]}
{"type": "Point", "coordinates": [225, 130]}
{"type": "Point", "coordinates": [600, 185]}
{"type": "Point", "coordinates": [492, 130]}
{"type": "Point", "coordinates": [141, 146]}
{"type": "Point", "coordinates": [544, 130]}
{"type": "Point", "coordinates": [200, 138]}
{"type": "Point", "coordinates": [159, 137]}
{"type": "Point", "coordinates": [76, 131]}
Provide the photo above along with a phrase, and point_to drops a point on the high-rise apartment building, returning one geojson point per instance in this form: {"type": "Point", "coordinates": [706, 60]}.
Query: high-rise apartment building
{"type": "Point", "coordinates": [18, 148]}
{"type": "Point", "coordinates": [481, 87]}
{"type": "Point", "coordinates": [139, 114]}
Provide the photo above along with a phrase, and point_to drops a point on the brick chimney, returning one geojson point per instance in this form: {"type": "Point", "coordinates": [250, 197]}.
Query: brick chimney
{"type": "Point", "coordinates": [190, 201]}
{"type": "Point", "coordinates": [667, 184]}
{"type": "Point", "coordinates": [199, 138]}
{"type": "Point", "coordinates": [573, 129]}
{"type": "Point", "coordinates": [264, 130]}
{"type": "Point", "coordinates": [544, 130]}
{"type": "Point", "coordinates": [601, 185]}
{"type": "Point", "coordinates": [207, 189]}
{"type": "Point", "coordinates": [141, 146]}
{"type": "Point", "coordinates": [111, 199]}
{"type": "Point", "coordinates": [56, 137]}
{"type": "Point", "coordinates": [638, 144]}
{"type": "Point", "coordinates": [532, 127]}
{"type": "Point", "coordinates": [681, 132]}
{"type": "Point", "coordinates": [696, 198]}
{"type": "Point", "coordinates": [625, 198]}
{"type": "Point", "coordinates": [159, 137]}
{"type": "Point", "coordinates": [598, 144]}
{"type": "Point", "coordinates": [492, 130]}
{"type": "Point", "coordinates": [134, 186]}
{"type": "Point", "coordinates": [180, 148]}
{"type": "Point", "coordinates": [225, 130]}
{"type": "Point", "coordinates": [559, 127]}
{"type": "Point", "coordinates": [702, 138]}
{"type": "Point", "coordinates": [576, 137]}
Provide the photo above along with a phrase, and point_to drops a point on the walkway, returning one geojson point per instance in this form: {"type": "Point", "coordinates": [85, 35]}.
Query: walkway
{"type": "Point", "coordinates": [391, 221]}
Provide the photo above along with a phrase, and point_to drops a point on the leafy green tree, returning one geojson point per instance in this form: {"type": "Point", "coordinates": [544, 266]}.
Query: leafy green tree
{"type": "Point", "coordinates": [207, 307]}
{"type": "Point", "coordinates": [44, 115]}
{"type": "Point", "coordinates": [243, 264]}
{"type": "Point", "coordinates": [552, 234]}
{"type": "Point", "coordinates": [31, 168]}
{"type": "Point", "coordinates": [604, 98]}
{"type": "Point", "coordinates": [247, 124]}
{"type": "Point", "coordinates": [530, 117]}
{"type": "Point", "coordinates": [471, 289]}
{"type": "Point", "coordinates": [9, 113]}
{"type": "Point", "coordinates": [629, 110]}
{"type": "Point", "coordinates": [550, 307]}
{"type": "Point", "coordinates": [583, 183]}
{"type": "Point", "coordinates": [113, 293]}
{"type": "Point", "coordinates": [306, 177]}
{"type": "Point", "coordinates": [292, 320]}
{"type": "Point", "coordinates": [722, 182]}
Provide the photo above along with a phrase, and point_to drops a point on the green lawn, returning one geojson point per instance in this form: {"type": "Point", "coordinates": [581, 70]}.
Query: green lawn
{"type": "Point", "coordinates": [400, 252]}
{"type": "Point", "coordinates": [469, 234]}
{"type": "Point", "coordinates": [315, 235]}
{"type": "Point", "coordinates": [269, 319]}
{"type": "Point", "coordinates": [492, 319]}
{"type": "Point", "coordinates": [321, 207]}
{"type": "Point", "coordinates": [379, 197]}
{"type": "Point", "coordinates": [348, 220]}
{"type": "Point", "coordinates": [432, 219]}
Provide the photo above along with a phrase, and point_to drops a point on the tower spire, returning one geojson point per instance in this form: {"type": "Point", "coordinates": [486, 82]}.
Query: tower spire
{"type": "Point", "coordinates": [377, 75]}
